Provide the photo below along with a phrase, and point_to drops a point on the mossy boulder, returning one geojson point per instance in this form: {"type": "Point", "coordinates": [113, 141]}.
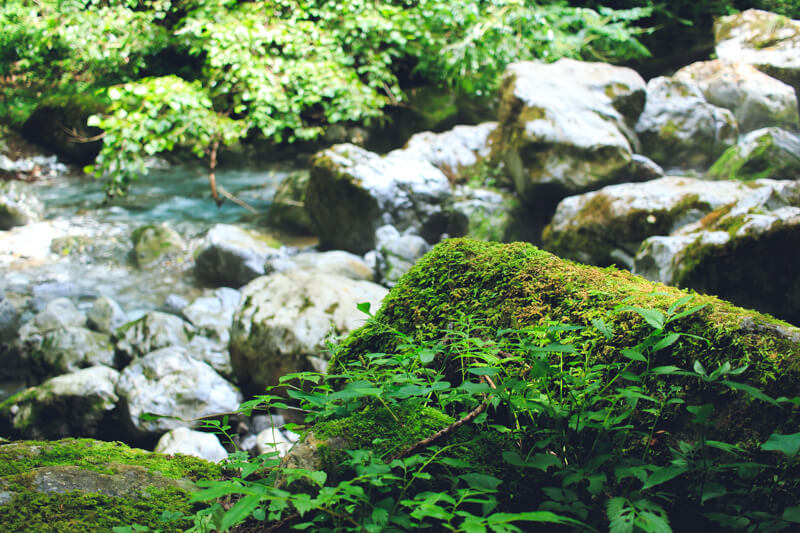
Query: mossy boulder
{"type": "Point", "coordinates": [607, 226]}
{"type": "Point", "coordinates": [766, 40]}
{"type": "Point", "coordinates": [93, 486]}
{"type": "Point", "coordinates": [741, 251]}
{"type": "Point", "coordinates": [154, 245]}
{"type": "Point", "coordinates": [766, 153]}
{"type": "Point", "coordinates": [517, 285]}
{"type": "Point", "coordinates": [59, 124]}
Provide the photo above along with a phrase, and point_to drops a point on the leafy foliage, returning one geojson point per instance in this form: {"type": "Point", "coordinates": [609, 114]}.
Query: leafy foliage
{"type": "Point", "coordinates": [481, 430]}
{"type": "Point", "coordinates": [280, 69]}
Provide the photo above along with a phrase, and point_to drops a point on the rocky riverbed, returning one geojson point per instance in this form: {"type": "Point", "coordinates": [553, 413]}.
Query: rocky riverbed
{"type": "Point", "coordinates": [161, 303]}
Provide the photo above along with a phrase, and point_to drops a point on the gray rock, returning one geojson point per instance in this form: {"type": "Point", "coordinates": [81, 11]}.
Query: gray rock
{"type": "Point", "coordinates": [157, 245]}
{"type": "Point", "coordinates": [284, 320]}
{"type": "Point", "coordinates": [607, 226]}
{"type": "Point", "coordinates": [33, 167]}
{"type": "Point", "coordinates": [565, 127]}
{"type": "Point", "coordinates": [174, 303]}
{"type": "Point", "coordinates": [189, 442]}
{"type": "Point", "coordinates": [10, 320]}
{"type": "Point", "coordinates": [287, 211]}
{"type": "Point", "coordinates": [336, 262]}
{"type": "Point", "coordinates": [106, 315]}
{"type": "Point", "coordinates": [739, 252]}
{"type": "Point", "coordinates": [72, 405]}
{"type": "Point", "coordinates": [765, 40]}
{"type": "Point", "coordinates": [486, 214]}
{"type": "Point", "coordinates": [58, 313]}
{"type": "Point", "coordinates": [680, 129]}
{"type": "Point", "coordinates": [766, 153]}
{"type": "Point", "coordinates": [17, 205]}
{"type": "Point", "coordinates": [69, 349]}
{"type": "Point", "coordinates": [454, 152]}
{"type": "Point", "coordinates": [352, 192]}
{"type": "Point", "coordinates": [212, 315]}
{"type": "Point", "coordinates": [272, 439]}
{"type": "Point", "coordinates": [231, 256]}
{"type": "Point", "coordinates": [153, 331]}
{"type": "Point", "coordinates": [397, 253]}
{"type": "Point", "coordinates": [756, 100]}
{"type": "Point", "coordinates": [170, 383]}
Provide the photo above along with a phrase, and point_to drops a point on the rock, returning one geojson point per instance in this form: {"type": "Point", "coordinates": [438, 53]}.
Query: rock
{"type": "Point", "coordinates": [17, 205]}
{"type": "Point", "coordinates": [66, 350]}
{"type": "Point", "coordinates": [77, 404]}
{"type": "Point", "coordinates": [284, 319]}
{"type": "Point", "coordinates": [174, 303]}
{"type": "Point", "coordinates": [336, 262]}
{"type": "Point", "coordinates": [739, 251]}
{"type": "Point", "coordinates": [352, 192]}
{"type": "Point", "coordinates": [607, 226]}
{"type": "Point", "coordinates": [106, 315]}
{"type": "Point", "coordinates": [59, 124]}
{"type": "Point", "coordinates": [397, 253]}
{"type": "Point", "coordinates": [231, 256]}
{"type": "Point", "coordinates": [57, 313]}
{"type": "Point", "coordinates": [170, 383]}
{"type": "Point", "coordinates": [189, 442]}
{"type": "Point", "coordinates": [756, 100]}
{"type": "Point", "coordinates": [762, 39]}
{"type": "Point", "coordinates": [766, 153]}
{"type": "Point", "coordinates": [273, 440]}
{"type": "Point", "coordinates": [212, 316]}
{"type": "Point", "coordinates": [679, 128]}
{"type": "Point", "coordinates": [487, 214]}
{"type": "Point", "coordinates": [287, 211]}
{"type": "Point", "coordinates": [518, 286]}
{"type": "Point", "coordinates": [565, 127]}
{"type": "Point", "coordinates": [454, 152]}
{"type": "Point", "coordinates": [94, 486]}
{"type": "Point", "coordinates": [30, 168]}
{"type": "Point", "coordinates": [153, 245]}
{"type": "Point", "coordinates": [10, 320]}
{"type": "Point", "coordinates": [153, 331]}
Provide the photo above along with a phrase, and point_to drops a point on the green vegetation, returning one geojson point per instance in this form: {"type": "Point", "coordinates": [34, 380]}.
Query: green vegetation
{"type": "Point", "coordinates": [199, 74]}
{"type": "Point", "coordinates": [517, 389]}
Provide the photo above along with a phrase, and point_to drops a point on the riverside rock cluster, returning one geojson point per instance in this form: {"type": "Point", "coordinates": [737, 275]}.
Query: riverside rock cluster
{"type": "Point", "coordinates": [690, 180]}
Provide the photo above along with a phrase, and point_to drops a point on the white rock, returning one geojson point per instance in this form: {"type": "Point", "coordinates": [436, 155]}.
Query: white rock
{"type": "Point", "coordinates": [189, 442]}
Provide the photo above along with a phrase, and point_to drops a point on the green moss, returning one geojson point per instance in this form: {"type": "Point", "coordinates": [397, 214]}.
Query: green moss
{"type": "Point", "coordinates": [518, 285]}
{"type": "Point", "coordinates": [164, 482]}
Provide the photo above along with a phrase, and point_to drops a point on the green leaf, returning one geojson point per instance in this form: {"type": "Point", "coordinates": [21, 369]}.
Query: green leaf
{"type": "Point", "coordinates": [621, 515]}
{"type": "Point", "coordinates": [603, 328]}
{"type": "Point", "coordinates": [699, 368]}
{"type": "Point", "coordinates": [711, 491]}
{"type": "Point", "coordinates": [555, 347]}
{"type": "Point", "coordinates": [364, 308]}
{"type": "Point", "coordinates": [481, 481]}
{"type": "Point", "coordinates": [788, 445]}
{"type": "Point", "coordinates": [669, 370]}
{"type": "Point", "coordinates": [426, 355]}
{"type": "Point", "coordinates": [752, 391]}
{"type": "Point", "coordinates": [240, 511]}
{"type": "Point", "coordinates": [634, 355]}
{"type": "Point", "coordinates": [667, 341]}
{"type": "Point", "coordinates": [792, 514]}
{"type": "Point", "coordinates": [662, 475]}
{"type": "Point", "coordinates": [654, 317]}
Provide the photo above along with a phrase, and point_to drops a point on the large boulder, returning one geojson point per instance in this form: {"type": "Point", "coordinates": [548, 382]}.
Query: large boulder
{"type": "Point", "coordinates": [152, 331]}
{"type": "Point", "coordinates": [71, 405]}
{"type": "Point", "coordinates": [336, 262]}
{"type": "Point", "coordinates": [231, 256]}
{"type": "Point", "coordinates": [488, 214]}
{"type": "Point", "coordinates": [607, 226]}
{"type": "Point", "coordinates": [177, 388]}
{"type": "Point", "coordinates": [287, 211]}
{"type": "Point", "coordinates": [766, 153]}
{"type": "Point", "coordinates": [565, 127]}
{"type": "Point", "coordinates": [756, 100]}
{"type": "Point", "coordinates": [455, 152]}
{"type": "Point", "coordinates": [94, 487]}
{"type": "Point", "coordinates": [284, 320]}
{"type": "Point", "coordinates": [680, 129]}
{"type": "Point", "coordinates": [106, 315]}
{"type": "Point", "coordinates": [396, 253]}
{"type": "Point", "coordinates": [352, 192]}
{"type": "Point", "coordinates": [17, 205]}
{"type": "Point", "coordinates": [766, 40]}
{"type": "Point", "coordinates": [742, 251]}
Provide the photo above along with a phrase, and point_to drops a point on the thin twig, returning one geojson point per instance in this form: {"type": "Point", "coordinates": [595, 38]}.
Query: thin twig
{"type": "Point", "coordinates": [212, 179]}
{"type": "Point", "coordinates": [237, 201]}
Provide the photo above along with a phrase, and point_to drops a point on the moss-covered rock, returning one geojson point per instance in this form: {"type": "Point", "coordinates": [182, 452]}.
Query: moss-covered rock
{"type": "Point", "coordinates": [766, 153]}
{"type": "Point", "coordinates": [518, 285]}
{"type": "Point", "coordinates": [287, 211]}
{"type": "Point", "coordinates": [93, 486]}
{"type": "Point", "coordinates": [154, 245]}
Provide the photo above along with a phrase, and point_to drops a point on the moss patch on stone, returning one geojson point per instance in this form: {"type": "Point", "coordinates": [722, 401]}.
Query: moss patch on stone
{"type": "Point", "coordinates": [122, 486]}
{"type": "Point", "coordinates": [518, 285]}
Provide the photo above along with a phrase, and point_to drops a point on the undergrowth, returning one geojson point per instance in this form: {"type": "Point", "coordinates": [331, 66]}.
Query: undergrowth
{"type": "Point", "coordinates": [514, 430]}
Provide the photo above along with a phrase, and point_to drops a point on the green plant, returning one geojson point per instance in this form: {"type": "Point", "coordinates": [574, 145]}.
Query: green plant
{"type": "Point", "coordinates": [481, 429]}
